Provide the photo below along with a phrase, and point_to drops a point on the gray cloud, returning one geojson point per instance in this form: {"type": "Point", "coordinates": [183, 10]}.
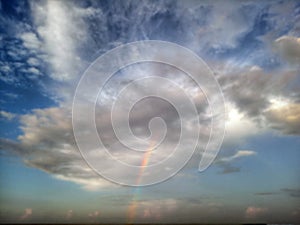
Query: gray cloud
{"type": "Point", "coordinates": [285, 117]}
{"type": "Point", "coordinates": [251, 88]}
{"type": "Point", "coordinates": [226, 169]}
{"type": "Point", "coordinates": [289, 48]}
{"type": "Point", "coordinates": [47, 142]}
{"type": "Point", "coordinates": [255, 94]}
{"type": "Point", "coordinates": [292, 192]}
{"type": "Point", "coordinates": [266, 193]}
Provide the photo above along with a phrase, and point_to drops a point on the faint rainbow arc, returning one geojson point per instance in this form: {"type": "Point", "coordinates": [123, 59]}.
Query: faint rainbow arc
{"type": "Point", "coordinates": [133, 206]}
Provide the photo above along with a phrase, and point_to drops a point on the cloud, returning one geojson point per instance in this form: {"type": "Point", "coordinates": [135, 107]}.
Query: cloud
{"type": "Point", "coordinates": [33, 61]}
{"type": "Point", "coordinates": [225, 162]}
{"type": "Point", "coordinates": [7, 115]}
{"type": "Point", "coordinates": [153, 209]}
{"type": "Point", "coordinates": [253, 96]}
{"type": "Point", "coordinates": [71, 33]}
{"type": "Point", "coordinates": [253, 212]}
{"type": "Point", "coordinates": [165, 209]}
{"type": "Point", "coordinates": [14, 68]}
{"type": "Point", "coordinates": [238, 154]}
{"type": "Point", "coordinates": [65, 35]}
{"type": "Point", "coordinates": [215, 26]}
{"type": "Point", "coordinates": [11, 96]}
{"type": "Point", "coordinates": [284, 116]}
{"type": "Point", "coordinates": [292, 192]}
{"type": "Point", "coordinates": [27, 214]}
{"type": "Point", "coordinates": [250, 89]}
{"type": "Point", "coordinates": [69, 214]}
{"type": "Point", "coordinates": [47, 140]}
{"type": "Point", "coordinates": [266, 193]}
{"type": "Point", "coordinates": [31, 41]}
{"type": "Point", "coordinates": [289, 48]}
{"type": "Point", "coordinates": [94, 214]}
{"type": "Point", "coordinates": [227, 168]}
{"type": "Point", "coordinates": [63, 30]}
{"type": "Point", "coordinates": [239, 126]}
{"type": "Point", "coordinates": [48, 144]}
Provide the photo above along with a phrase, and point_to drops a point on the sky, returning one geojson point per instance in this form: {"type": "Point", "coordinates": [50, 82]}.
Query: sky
{"type": "Point", "coordinates": [253, 51]}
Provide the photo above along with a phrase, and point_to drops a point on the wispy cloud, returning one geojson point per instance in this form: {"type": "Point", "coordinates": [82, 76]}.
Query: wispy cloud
{"type": "Point", "coordinates": [226, 162]}
{"type": "Point", "coordinates": [62, 30]}
{"type": "Point", "coordinates": [238, 154]}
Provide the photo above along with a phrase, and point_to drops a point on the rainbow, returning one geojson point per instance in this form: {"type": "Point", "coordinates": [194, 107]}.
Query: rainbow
{"type": "Point", "coordinates": [133, 206]}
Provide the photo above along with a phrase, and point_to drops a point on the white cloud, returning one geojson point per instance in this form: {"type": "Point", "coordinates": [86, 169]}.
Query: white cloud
{"type": "Point", "coordinates": [61, 26]}
{"type": "Point", "coordinates": [5, 68]}
{"type": "Point", "coordinates": [238, 154]}
{"type": "Point", "coordinates": [31, 41]}
{"type": "Point", "coordinates": [89, 184]}
{"type": "Point", "coordinates": [7, 115]}
{"type": "Point", "coordinates": [33, 61]}
{"type": "Point", "coordinates": [33, 70]}
{"type": "Point", "coordinates": [239, 126]}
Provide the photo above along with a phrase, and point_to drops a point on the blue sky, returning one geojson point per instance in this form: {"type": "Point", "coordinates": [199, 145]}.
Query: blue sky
{"type": "Point", "coordinates": [253, 48]}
